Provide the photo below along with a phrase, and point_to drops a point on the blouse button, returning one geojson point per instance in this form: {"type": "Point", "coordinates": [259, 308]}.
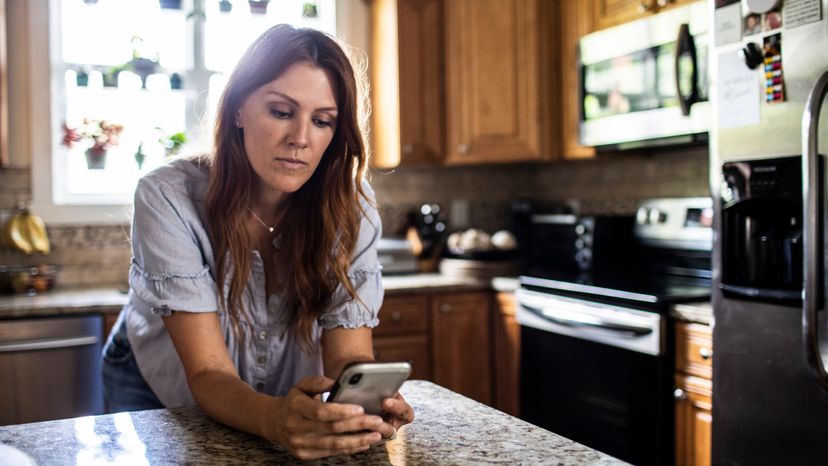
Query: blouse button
{"type": "Point", "coordinates": [259, 386]}
{"type": "Point", "coordinates": [261, 359]}
{"type": "Point", "coordinates": [262, 335]}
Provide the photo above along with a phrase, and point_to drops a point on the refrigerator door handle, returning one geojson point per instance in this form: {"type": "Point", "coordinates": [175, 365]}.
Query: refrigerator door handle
{"type": "Point", "coordinates": [812, 204]}
{"type": "Point", "coordinates": [686, 45]}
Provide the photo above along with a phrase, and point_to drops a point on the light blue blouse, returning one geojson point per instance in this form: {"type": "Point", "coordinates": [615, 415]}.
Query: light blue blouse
{"type": "Point", "coordinates": [173, 269]}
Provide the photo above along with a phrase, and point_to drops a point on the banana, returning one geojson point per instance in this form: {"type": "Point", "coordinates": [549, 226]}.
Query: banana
{"type": "Point", "coordinates": [35, 230]}
{"type": "Point", "coordinates": [25, 232]}
{"type": "Point", "coordinates": [17, 237]}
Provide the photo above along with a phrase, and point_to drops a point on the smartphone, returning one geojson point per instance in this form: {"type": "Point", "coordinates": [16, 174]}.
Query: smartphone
{"type": "Point", "coordinates": [368, 383]}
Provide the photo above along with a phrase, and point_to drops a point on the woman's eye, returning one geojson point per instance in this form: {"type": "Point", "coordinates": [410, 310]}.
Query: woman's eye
{"type": "Point", "coordinates": [322, 123]}
{"type": "Point", "coordinates": [279, 114]}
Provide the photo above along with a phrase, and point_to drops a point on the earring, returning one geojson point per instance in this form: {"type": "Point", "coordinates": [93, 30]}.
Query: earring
{"type": "Point", "coordinates": [238, 119]}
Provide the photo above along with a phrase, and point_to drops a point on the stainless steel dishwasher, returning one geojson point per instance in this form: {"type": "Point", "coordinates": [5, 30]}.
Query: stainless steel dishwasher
{"type": "Point", "coordinates": [50, 368]}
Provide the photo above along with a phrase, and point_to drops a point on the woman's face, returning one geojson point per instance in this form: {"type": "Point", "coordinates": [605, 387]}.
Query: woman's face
{"type": "Point", "coordinates": [288, 123]}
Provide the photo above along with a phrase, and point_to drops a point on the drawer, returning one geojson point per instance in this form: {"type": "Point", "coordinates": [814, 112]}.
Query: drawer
{"type": "Point", "coordinates": [694, 349]}
{"type": "Point", "coordinates": [413, 349]}
{"type": "Point", "coordinates": [403, 315]}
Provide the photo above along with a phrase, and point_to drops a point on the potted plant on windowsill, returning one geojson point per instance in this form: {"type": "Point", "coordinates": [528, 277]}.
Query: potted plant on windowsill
{"type": "Point", "coordinates": [172, 142]}
{"type": "Point", "coordinates": [258, 7]}
{"type": "Point", "coordinates": [98, 135]}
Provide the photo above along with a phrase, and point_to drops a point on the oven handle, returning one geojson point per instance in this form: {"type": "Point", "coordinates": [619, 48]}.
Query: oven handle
{"type": "Point", "coordinates": [595, 322]}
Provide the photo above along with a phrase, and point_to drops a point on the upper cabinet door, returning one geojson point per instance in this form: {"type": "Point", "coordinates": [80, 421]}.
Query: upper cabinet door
{"type": "Point", "coordinates": [408, 114]}
{"type": "Point", "coordinates": [614, 12]}
{"type": "Point", "coordinates": [493, 94]}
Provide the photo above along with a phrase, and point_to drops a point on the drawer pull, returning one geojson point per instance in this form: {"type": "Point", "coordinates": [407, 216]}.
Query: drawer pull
{"type": "Point", "coordinates": [680, 394]}
{"type": "Point", "coordinates": [376, 354]}
{"type": "Point", "coordinates": [445, 308]}
{"type": "Point", "coordinates": [705, 353]}
{"type": "Point", "coordinates": [396, 316]}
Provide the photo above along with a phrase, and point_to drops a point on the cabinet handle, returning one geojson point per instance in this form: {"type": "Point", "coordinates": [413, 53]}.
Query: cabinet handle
{"type": "Point", "coordinates": [663, 3]}
{"type": "Point", "coordinates": [445, 308]}
{"type": "Point", "coordinates": [679, 394]}
{"type": "Point", "coordinates": [407, 149]}
{"type": "Point", "coordinates": [705, 353]}
{"type": "Point", "coordinates": [396, 316]}
{"type": "Point", "coordinates": [376, 354]}
{"type": "Point", "coordinates": [462, 149]}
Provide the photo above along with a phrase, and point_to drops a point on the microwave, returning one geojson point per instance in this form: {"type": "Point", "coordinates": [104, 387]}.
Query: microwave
{"type": "Point", "coordinates": [645, 83]}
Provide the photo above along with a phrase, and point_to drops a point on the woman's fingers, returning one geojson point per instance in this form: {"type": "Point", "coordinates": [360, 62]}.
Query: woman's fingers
{"type": "Point", "coordinates": [352, 424]}
{"type": "Point", "coordinates": [399, 409]}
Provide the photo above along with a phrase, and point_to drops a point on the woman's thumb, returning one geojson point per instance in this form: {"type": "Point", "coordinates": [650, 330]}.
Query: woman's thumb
{"type": "Point", "coordinates": [315, 385]}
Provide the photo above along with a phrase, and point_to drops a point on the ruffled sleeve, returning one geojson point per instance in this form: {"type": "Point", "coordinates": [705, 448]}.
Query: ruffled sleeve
{"type": "Point", "coordinates": [169, 271]}
{"type": "Point", "coordinates": [365, 275]}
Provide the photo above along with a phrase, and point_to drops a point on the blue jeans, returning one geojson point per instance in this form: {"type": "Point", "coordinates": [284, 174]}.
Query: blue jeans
{"type": "Point", "coordinates": [124, 387]}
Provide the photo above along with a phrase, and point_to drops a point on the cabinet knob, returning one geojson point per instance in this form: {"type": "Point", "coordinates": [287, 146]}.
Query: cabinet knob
{"type": "Point", "coordinates": [407, 149]}
{"type": "Point", "coordinates": [462, 149]}
{"type": "Point", "coordinates": [679, 394]}
{"type": "Point", "coordinates": [376, 354]}
{"type": "Point", "coordinates": [445, 308]}
{"type": "Point", "coordinates": [705, 353]}
{"type": "Point", "coordinates": [396, 316]}
{"type": "Point", "coordinates": [662, 3]}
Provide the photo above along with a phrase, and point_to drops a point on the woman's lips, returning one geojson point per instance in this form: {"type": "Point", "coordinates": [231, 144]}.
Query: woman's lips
{"type": "Point", "coordinates": [290, 164]}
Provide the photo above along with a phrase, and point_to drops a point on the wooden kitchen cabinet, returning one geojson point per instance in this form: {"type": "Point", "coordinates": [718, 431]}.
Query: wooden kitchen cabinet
{"type": "Point", "coordinates": [693, 394]}
{"type": "Point", "coordinates": [460, 324]}
{"type": "Point", "coordinates": [506, 354]}
{"type": "Point", "coordinates": [407, 82]}
{"type": "Point", "coordinates": [499, 97]}
{"type": "Point", "coordinates": [614, 12]}
{"type": "Point", "coordinates": [403, 333]}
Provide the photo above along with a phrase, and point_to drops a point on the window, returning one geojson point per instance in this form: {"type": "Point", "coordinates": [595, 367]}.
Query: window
{"type": "Point", "coordinates": [157, 72]}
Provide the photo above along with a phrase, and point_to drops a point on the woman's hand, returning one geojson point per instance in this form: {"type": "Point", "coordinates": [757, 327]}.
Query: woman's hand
{"type": "Point", "coordinates": [310, 429]}
{"type": "Point", "coordinates": [399, 413]}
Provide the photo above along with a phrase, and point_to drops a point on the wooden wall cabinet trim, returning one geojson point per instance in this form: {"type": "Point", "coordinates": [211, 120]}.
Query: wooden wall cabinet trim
{"type": "Point", "coordinates": [614, 12]}
{"type": "Point", "coordinates": [579, 21]}
{"type": "Point", "coordinates": [4, 84]}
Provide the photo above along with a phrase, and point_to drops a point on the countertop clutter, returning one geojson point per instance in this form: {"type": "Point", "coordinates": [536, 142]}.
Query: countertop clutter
{"type": "Point", "coordinates": [449, 428]}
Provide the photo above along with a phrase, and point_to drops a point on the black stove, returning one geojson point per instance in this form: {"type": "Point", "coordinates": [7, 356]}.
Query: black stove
{"type": "Point", "coordinates": [596, 336]}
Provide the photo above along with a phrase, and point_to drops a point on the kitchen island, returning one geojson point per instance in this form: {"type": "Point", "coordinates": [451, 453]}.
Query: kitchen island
{"type": "Point", "coordinates": [449, 429]}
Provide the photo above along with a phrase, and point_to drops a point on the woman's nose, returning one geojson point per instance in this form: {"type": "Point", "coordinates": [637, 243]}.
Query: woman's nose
{"type": "Point", "coordinates": [298, 136]}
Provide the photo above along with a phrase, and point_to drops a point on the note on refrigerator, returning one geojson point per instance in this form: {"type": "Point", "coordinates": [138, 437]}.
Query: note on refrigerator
{"type": "Point", "coordinates": [738, 96]}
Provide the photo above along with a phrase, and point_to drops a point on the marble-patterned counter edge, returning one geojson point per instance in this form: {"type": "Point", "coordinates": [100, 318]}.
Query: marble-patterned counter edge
{"type": "Point", "coordinates": [700, 313]}
{"type": "Point", "coordinates": [449, 429]}
{"type": "Point", "coordinates": [111, 300]}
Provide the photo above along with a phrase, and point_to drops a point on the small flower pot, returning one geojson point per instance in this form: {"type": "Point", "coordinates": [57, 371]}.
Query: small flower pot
{"type": "Point", "coordinates": [95, 159]}
{"type": "Point", "coordinates": [258, 7]}
{"type": "Point", "coordinates": [225, 6]}
{"type": "Point", "coordinates": [82, 78]}
{"type": "Point", "coordinates": [175, 81]}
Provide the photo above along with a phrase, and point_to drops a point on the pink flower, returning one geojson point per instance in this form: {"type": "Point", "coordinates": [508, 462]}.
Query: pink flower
{"type": "Point", "coordinates": [98, 134]}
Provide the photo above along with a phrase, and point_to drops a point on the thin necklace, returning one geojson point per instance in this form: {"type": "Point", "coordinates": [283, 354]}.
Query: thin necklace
{"type": "Point", "coordinates": [269, 228]}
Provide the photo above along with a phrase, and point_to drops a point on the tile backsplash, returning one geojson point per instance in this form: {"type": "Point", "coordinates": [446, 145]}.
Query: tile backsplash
{"type": "Point", "coordinates": [608, 184]}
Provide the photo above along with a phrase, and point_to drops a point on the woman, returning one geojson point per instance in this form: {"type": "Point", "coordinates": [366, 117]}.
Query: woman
{"type": "Point", "coordinates": [255, 268]}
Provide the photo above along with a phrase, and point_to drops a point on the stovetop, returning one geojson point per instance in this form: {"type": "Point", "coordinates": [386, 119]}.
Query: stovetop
{"type": "Point", "coordinates": [630, 287]}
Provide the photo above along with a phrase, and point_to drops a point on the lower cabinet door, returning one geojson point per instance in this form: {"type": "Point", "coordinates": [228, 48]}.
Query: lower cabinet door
{"type": "Point", "coordinates": [413, 349]}
{"type": "Point", "coordinates": [460, 327]}
{"type": "Point", "coordinates": [694, 421]}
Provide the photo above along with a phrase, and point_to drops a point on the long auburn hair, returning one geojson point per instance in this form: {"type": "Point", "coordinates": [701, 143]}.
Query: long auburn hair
{"type": "Point", "coordinates": [320, 222]}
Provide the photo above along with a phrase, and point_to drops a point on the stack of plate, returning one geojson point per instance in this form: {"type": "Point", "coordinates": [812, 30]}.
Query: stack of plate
{"type": "Point", "coordinates": [478, 268]}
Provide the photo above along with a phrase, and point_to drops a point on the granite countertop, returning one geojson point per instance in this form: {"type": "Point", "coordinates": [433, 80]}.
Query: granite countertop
{"type": "Point", "coordinates": [110, 300]}
{"type": "Point", "coordinates": [699, 313]}
{"type": "Point", "coordinates": [449, 429]}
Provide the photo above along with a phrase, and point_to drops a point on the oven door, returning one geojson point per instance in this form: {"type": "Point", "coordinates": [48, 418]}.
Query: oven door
{"type": "Point", "coordinates": [597, 374]}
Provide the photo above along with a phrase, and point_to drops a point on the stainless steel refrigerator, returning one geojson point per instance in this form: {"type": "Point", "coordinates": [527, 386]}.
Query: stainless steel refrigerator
{"type": "Point", "coordinates": [770, 386]}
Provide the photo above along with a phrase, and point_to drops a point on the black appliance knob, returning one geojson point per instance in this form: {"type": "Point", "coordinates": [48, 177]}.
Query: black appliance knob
{"type": "Point", "coordinates": [752, 55]}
